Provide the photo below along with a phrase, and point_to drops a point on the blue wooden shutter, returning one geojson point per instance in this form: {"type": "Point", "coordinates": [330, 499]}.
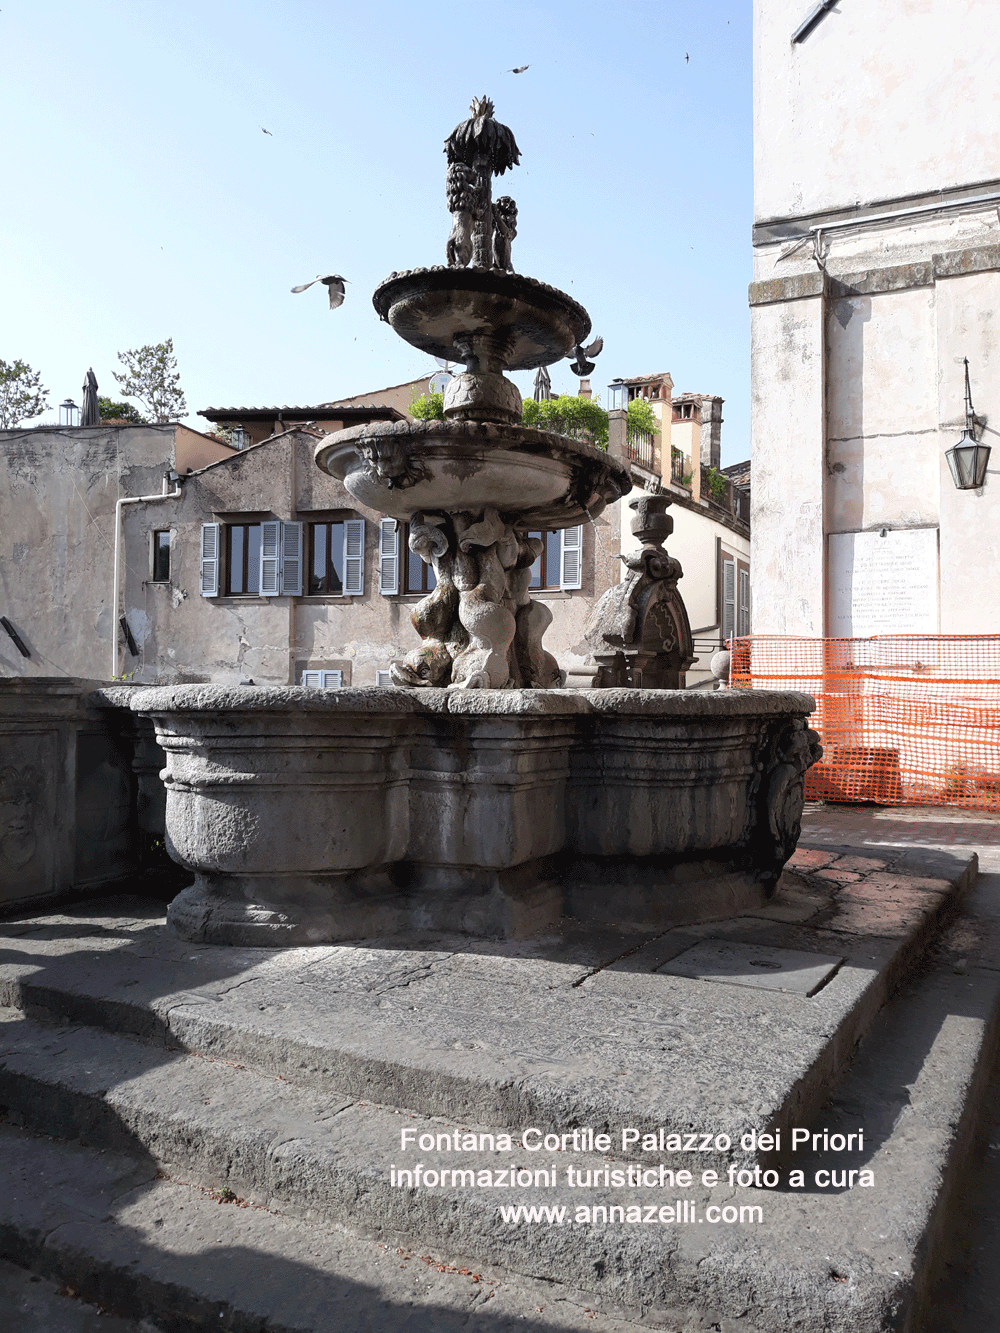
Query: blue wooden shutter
{"type": "Point", "coordinates": [291, 559]}
{"type": "Point", "coordinates": [388, 557]}
{"type": "Point", "coordinates": [354, 557]}
{"type": "Point", "coordinates": [571, 574]}
{"type": "Point", "coordinates": [270, 557]}
{"type": "Point", "coordinates": [209, 586]}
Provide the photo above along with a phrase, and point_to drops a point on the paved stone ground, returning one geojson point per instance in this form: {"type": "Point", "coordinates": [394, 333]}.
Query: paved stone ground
{"type": "Point", "coordinates": [967, 1300]}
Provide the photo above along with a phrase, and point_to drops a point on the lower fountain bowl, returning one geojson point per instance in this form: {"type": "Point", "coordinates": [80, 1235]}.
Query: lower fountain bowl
{"type": "Point", "coordinates": [312, 816]}
{"type": "Point", "coordinates": [400, 467]}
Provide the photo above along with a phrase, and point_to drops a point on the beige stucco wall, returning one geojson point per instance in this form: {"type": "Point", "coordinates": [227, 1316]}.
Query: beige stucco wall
{"type": "Point", "coordinates": [880, 100]}
{"type": "Point", "coordinates": [58, 490]}
{"type": "Point", "coordinates": [859, 332]}
{"type": "Point", "coordinates": [786, 501]}
{"type": "Point", "coordinates": [398, 396]}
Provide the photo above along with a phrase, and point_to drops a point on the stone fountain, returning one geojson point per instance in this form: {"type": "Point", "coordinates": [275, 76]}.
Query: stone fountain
{"type": "Point", "coordinates": [478, 796]}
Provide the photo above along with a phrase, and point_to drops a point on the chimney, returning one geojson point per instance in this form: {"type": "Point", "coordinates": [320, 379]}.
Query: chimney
{"type": "Point", "coordinates": [711, 432]}
{"type": "Point", "coordinates": [585, 389]}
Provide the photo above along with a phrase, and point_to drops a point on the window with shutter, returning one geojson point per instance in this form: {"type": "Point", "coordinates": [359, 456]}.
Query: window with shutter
{"type": "Point", "coordinates": [383, 678]}
{"type": "Point", "coordinates": [323, 680]}
{"type": "Point", "coordinates": [291, 559]}
{"type": "Point", "coordinates": [388, 557]}
{"type": "Point", "coordinates": [572, 558]}
{"type": "Point", "coordinates": [743, 607]}
{"type": "Point", "coordinates": [354, 557]}
{"type": "Point", "coordinates": [210, 559]}
{"type": "Point", "coordinates": [728, 598]}
{"type": "Point", "coordinates": [270, 558]}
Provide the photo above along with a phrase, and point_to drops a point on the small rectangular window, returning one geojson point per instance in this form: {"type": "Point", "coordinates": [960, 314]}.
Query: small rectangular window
{"type": "Point", "coordinates": [383, 678]}
{"type": "Point", "coordinates": [546, 572]}
{"type": "Point", "coordinates": [326, 559]}
{"type": "Point", "coordinates": [420, 577]}
{"type": "Point", "coordinates": [243, 559]}
{"type": "Point", "coordinates": [161, 557]}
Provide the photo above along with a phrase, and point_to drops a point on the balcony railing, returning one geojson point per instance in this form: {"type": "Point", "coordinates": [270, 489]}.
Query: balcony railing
{"type": "Point", "coordinates": [677, 461]}
{"type": "Point", "coordinates": [639, 448]}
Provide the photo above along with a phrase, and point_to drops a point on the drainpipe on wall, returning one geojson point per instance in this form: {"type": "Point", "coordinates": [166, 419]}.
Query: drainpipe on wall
{"type": "Point", "coordinates": [129, 500]}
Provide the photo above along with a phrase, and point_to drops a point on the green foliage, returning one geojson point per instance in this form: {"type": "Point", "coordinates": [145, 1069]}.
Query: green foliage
{"type": "Point", "coordinates": [111, 411]}
{"type": "Point", "coordinates": [569, 415]}
{"type": "Point", "coordinates": [718, 484]}
{"type": "Point", "coordinates": [151, 376]}
{"type": "Point", "coordinates": [641, 417]}
{"type": "Point", "coordinates": [21, 394]}
{"type": "Point", "coordinates": [428, 407]}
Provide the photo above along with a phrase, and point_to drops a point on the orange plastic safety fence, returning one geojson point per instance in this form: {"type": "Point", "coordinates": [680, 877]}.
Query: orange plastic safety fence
{"type": "Point", "coordinates": [904, 719]}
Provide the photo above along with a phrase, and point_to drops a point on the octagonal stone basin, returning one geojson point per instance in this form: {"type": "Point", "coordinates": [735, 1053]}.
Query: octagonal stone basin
{"type": "Point", "coordinates": [506, 319]}
{"type": "Point", "coordinates": [538, 478]}
{"type": "Point", "coordinates": [311, 816]}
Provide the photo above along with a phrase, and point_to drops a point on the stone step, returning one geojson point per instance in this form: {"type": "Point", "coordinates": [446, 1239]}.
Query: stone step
{"type": "Point", "coordinates": [593, 1028]}
{"type": "Point", "coordinates": [819, 1257]}
{"type": "Point", "coordinates": [107, 1230]}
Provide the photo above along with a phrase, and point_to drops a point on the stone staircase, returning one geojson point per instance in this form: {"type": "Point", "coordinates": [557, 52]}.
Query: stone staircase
{"type": "Point", "coordinates": [204, 1137]}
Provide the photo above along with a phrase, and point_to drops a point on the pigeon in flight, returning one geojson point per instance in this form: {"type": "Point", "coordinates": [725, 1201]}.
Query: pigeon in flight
{"type": "Point", "coordinates": [334, 285]}
{"type": "Point", "coordinates": [582, 366]}
{"type": "Point", "coordinates": [519, 70]}
{"type": "Point", "coordinates": [263, 131]}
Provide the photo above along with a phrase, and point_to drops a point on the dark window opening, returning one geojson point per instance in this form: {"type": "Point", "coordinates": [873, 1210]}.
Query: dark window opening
{"type": "Point", "coordinates": [243, 559]}
{"type": "Point", "coordinates": [161, 557]}
{"type": "Point", "coordinates": [546, 571]}
{"type": "Point", "coordinates": [326, 558]}
{"type": "Point", "coordinates": [420, 577]}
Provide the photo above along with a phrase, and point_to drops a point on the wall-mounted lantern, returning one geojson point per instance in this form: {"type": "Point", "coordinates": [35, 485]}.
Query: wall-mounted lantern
{"type": "Point", "coordinates": [238, 438]}
{"type": "Point", "coordinates": [968, 459]}
{"type": "Point", "coordinates": [69, 413]}
{"type": "Point", "coordinates": [617, 396]}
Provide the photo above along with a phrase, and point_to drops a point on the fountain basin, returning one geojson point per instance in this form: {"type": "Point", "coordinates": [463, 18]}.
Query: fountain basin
{"type": "Point", "coordinates": [401, 467]}
{"type": "Point", "coordinates": [502, 320]}
{"type": "Point", "coordinates": [310, 817]}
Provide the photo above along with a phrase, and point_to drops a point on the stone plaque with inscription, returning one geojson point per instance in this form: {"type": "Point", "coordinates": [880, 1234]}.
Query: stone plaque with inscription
{"type": "Point", "coordinates": [884, 584]}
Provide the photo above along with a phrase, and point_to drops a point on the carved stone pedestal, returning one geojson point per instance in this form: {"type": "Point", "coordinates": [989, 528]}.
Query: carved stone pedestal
{"type": "Point", "coordinates": [639, 630]}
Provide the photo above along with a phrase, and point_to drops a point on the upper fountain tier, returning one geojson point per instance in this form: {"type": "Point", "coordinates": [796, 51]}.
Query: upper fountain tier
{"type": "Point", "coordinates": [476, 487]}
{"type": "Point", "coordinates": [487, 318]}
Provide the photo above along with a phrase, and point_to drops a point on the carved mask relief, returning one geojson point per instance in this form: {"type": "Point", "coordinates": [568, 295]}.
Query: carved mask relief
{"type": "Point", "coordinates": [20, 796]}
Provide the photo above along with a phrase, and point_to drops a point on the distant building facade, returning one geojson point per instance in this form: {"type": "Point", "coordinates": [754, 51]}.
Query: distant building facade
{"type": "Point", "coordinates": [163, 555]}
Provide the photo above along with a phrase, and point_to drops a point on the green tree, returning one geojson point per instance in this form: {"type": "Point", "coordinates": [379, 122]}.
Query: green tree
{"type": "Point", "coordinates": [151, 376]}
{"type": "Point", "coordinates": [569, 415]}
{"type": "Point", "coordinates": [111, 411]}
{"type": "Point", "coordinates": [641, 417]}
{"type": "Point", "coordinates": [22, 395]}
{"type": "Point", "coordinates": [428, 407]}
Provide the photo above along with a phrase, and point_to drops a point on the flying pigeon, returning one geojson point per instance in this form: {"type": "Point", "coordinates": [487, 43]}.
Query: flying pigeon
{"type": "Point", "coordinates": [520, 69]}
{"type": "Point", "coordinates": [334, 285]}
{"type": "Point", "coordinates": [581, 366]}
{"type": "Point", "coordinates": [263, 131]}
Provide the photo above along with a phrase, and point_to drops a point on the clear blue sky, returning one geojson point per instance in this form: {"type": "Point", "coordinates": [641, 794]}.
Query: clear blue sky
{"type": "Point", "coordinates": [145, 202]}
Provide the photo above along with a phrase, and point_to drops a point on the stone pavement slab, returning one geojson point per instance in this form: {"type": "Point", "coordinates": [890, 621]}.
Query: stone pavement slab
{"type": "Point", "coordinates": [829, 1256]}
{"type": "Point", "coordinates": [581, 1029]}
